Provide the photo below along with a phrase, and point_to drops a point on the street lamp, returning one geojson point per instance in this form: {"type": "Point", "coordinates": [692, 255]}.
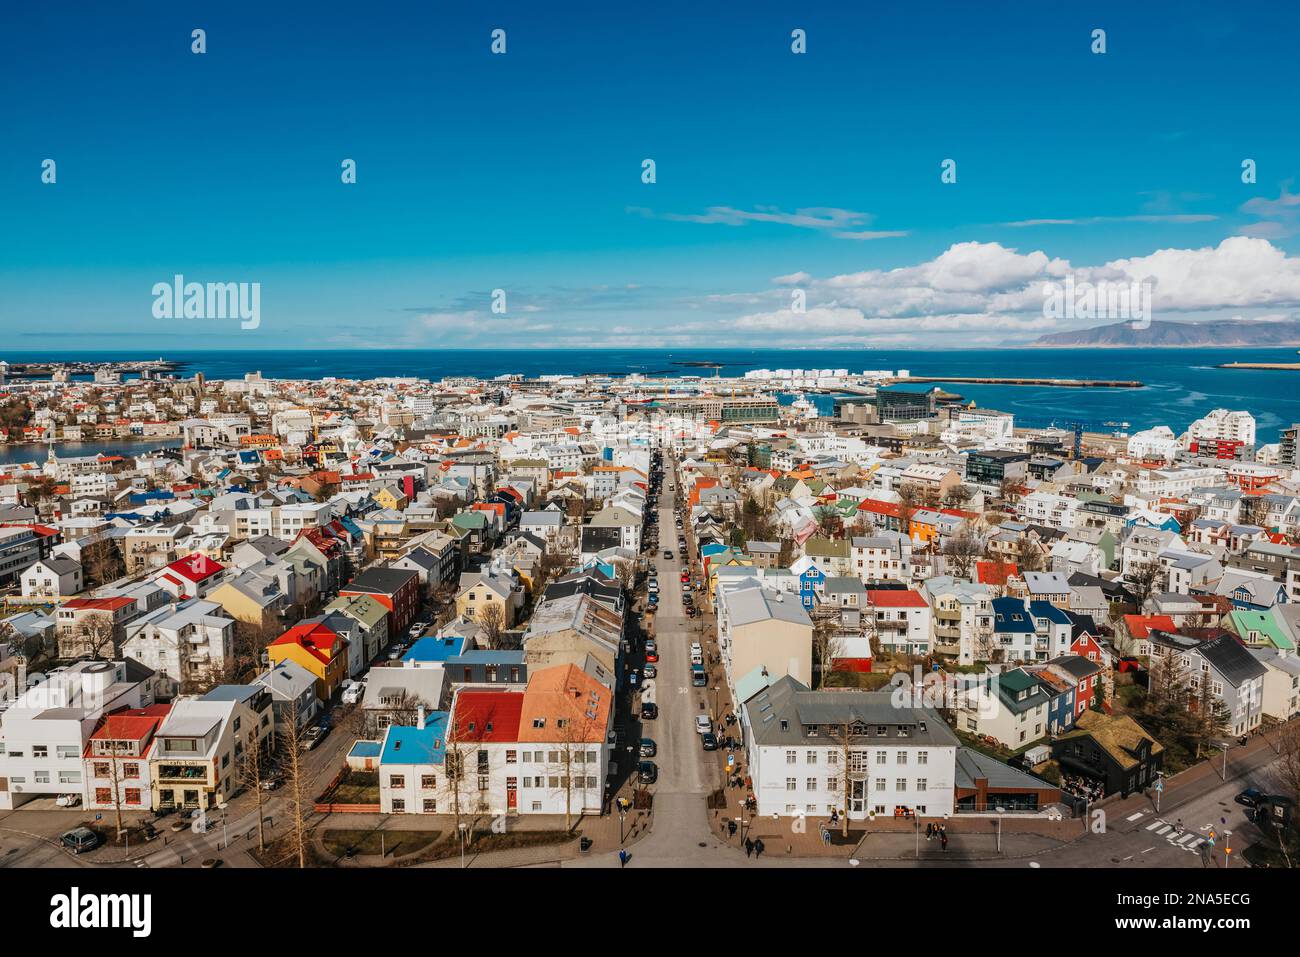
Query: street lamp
{"type": "Point", "coordinates": [225, 831]}
{"type": "Point", "coordinates": [462, 827]}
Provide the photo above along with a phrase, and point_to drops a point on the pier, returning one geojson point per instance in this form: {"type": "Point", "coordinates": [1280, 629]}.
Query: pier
{"type": "Point", "coordinates": [990, 380]}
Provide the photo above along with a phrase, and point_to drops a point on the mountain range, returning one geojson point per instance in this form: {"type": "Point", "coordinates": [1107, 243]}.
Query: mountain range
{"type": "Point", "coordinates": [1219, 332]}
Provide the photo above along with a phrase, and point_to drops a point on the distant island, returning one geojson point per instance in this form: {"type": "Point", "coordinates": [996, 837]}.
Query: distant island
{"type": "Point", "coordinates": [1171, 335]}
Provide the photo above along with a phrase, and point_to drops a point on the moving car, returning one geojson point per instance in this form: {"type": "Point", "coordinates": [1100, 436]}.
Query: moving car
{"type": "Point", "coordinates": [703, 724]}
{"type": "Point", "coordinates": [668, 554]}
{"type": "Point", "coordinates": [1250, 797]}
{"type": "Point", "coordinates": [648, 748]}
{"type": "Point", "coordinates": [80, 839]}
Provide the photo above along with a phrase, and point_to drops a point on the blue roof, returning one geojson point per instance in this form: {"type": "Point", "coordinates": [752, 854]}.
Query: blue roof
{"type": "Point", "coordinates": [1045, 609]}
{"type": "Point", "coordinates": [1004, 610]}
{"type": "Point", "coordinates": [436, 649]}
{"type": "Point", "coordinates": [427, 745]}
{"type": "Point", "coordinates": [365, 749]}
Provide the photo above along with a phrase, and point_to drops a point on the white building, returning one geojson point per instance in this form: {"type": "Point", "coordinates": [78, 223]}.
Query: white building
{"type": "Point", "coordinates": [896, 757]}
{"type": "Point", "coordinates": [183, 642]}
{"type": "Point", "coordinates": [45, 730]}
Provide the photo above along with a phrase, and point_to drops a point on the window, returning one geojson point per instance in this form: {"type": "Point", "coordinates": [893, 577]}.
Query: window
{"type": "Point", "coordinates": [901, 784]}
{"type": "Point", "coordinates": [69, 777]}
{"type": "Point", "coordinates": [882, 757]}
{"type": "Point", "coordinates": [922, 757]}
{"type": "Point", "coordinates": [791, 784]}
{"type": "Point", "coordinates": [512, 757]}
{"type": "Point", "coordinates": [430, 806]}
{"type": "Point", "coordinates": [103, 796]}
{"type": "Point", "coordinates": [132, 796]}
{"type": "Point", "coordinates": [40, 751]}
{"type": "Point", "coordinates": [833, 757]}
{"type": "Point", "coordinates": [397, 781]}
{"type": "Point", "coordinates": [791, 757]}
{"type": "Point", "coordinates": [921, 783]}
{"type": "Point", "coordinates": [880, 784]}
{"type": "Point", "coordinates": [399, 806]}
{"type": "Point", "coordinates": [103, 769]}
{"type": "Point", "coordinates": [428, 782]}
{"type": "Point", "coordinates": [812, 784]}
{"type": "Point", "coordinates": [67, 751]}
{"type": "Point", "coordinates": [902, 757]}
{"type": "Point", "coordinates": [812, 757]}
{"type": "Point", "coordinates": [42, 777]}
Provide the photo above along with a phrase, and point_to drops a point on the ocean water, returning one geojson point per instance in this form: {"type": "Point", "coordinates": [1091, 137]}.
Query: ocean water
{"type": "Point", "coordinates": [1179, 385]}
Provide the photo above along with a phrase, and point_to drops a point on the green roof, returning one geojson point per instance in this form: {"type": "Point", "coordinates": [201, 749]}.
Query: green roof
{"type": "Point", "coordinates": [1263, 622]}
{"type": "Point", "coordinates": [365, 609]}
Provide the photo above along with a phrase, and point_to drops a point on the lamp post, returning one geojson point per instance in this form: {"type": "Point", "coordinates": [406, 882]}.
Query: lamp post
{"type": "Point", "coordinates": [462, 826]}
{"type": "Point", "coordinates": [225, 831]}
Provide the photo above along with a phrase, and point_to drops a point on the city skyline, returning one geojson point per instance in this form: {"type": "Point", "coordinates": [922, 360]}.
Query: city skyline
{"type": "Point", "coordinates": [522, 172]}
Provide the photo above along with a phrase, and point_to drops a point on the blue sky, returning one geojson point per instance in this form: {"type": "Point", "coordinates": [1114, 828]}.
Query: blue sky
{"type": "Point", "coordinates": [521, 172]}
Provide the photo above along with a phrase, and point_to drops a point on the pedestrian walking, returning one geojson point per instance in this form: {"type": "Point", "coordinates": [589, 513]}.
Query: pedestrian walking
{"type": "Point", "coordinates": [622, 858]}
{"type": "Point", "coordinates": [749, 847]}
{"type": "Point", "coordinates": [943, 840]}
{"type": "Point", "coordinates": [731, 828]}
{"type": "Point", "coordinates": [758, 848]}
{"type": "Point", "coordinates": [1178, 826]}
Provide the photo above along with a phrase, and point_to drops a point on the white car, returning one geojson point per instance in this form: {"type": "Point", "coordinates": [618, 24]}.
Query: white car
{"type": "Point", "coordinates": [352, 694]}
{"type": "Point", "coordinates": [703, 724]}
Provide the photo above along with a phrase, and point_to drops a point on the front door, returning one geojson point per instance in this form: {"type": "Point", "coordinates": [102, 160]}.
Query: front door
{"type": "Point", "coordinates": [512, 796]}
{"type": "Point", "coordinates": [858, 798]}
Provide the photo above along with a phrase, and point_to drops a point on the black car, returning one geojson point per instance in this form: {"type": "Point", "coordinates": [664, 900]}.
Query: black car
{"type": "Point", "coordinates": [649, 711]}
{"type": "Point", "coordinates": [80, 839]}
{"type": "Point", "coordinates": [648, 748]}
{"type": "Point", "coordinates": [1250, 797]}
{"type": "Point", "coordinates": [647, 772]}
{"type": "Point", "coordinates": [709, 740]}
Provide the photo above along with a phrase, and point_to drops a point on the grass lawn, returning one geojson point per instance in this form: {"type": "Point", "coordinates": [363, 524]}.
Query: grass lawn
{"type": "Point", "coordinates": [377, 841]}
{"type": "Point", "coordinates": [485, 842]}
{"type": "Point", "coordinates": [359, 787]}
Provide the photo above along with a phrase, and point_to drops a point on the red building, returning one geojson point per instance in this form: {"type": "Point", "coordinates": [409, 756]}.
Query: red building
{"type": "Point", "coordinates": [396, 589]}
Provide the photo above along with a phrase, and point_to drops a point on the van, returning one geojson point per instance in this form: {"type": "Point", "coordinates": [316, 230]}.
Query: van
{"type": "Point", "coordinates": [698, 678]}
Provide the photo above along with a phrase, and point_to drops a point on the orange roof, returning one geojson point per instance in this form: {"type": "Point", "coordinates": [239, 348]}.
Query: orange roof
{"type": "Point", "coordinates": [564, 693]}
{"type": "Point", "coordinates": [995, 573]}
{"type": "Point", "coordinates": [1141, 626]}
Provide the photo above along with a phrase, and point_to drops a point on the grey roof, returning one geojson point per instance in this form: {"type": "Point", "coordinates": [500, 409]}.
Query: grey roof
{"type": "Point", "coordinates": [778, 715]}
{"type": "Point", "coordinates": [972, 765]}
{"type": "Point", "coordinates": [1231, 659]}
{"type": "Point", "coordinates": [748, 605]}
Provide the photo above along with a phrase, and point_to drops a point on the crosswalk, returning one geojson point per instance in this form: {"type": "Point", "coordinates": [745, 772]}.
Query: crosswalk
{"type": "Point", "coordinates": [1181, 838]}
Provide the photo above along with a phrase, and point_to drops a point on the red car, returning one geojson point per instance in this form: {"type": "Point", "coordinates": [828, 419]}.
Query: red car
{"type": "Point", "coordinates": [652, 656]}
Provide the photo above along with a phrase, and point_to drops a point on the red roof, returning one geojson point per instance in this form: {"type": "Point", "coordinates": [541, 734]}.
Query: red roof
{"type": "Point", "coordinates": [196, 568]}
{"type": "Point", "coordinates": [1141, 626]}
{"type": "Point", "coordinates": [312, 637]}
{"type": "Point", "coordinates": [895, 598]}
{"type": "Point", "coordinates": [878, 507]}
{"type": "Point", "coordinates": [130, 724]}
{"type": "Point", "coordinates": [99, 604]}
{"type": "Point", "coordinates": [995, 573]}
{"type": "Point", "coordinates": [486, 716]}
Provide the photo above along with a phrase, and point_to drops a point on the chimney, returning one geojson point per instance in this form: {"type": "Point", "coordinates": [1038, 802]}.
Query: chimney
{"type": "Point", "coordinates": [419, 718]}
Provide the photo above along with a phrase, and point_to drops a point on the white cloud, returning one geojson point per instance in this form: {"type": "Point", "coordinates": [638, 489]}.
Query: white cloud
{"type": "Point", "coordinates": [839, 223]}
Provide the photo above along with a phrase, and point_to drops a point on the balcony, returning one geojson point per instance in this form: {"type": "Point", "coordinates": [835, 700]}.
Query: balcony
{"type": "Point", "coordinates": [182, 773]}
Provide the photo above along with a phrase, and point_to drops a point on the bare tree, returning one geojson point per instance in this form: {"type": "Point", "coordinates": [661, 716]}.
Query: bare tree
{"type": "Point", "coordinates": [295, 782]}
{"type": "Point", "coordinates": [827, 644]}
{"type": "Point", "coordinates": [252, 773]}
{"type": "Point", "coordinates": [92, 636]}
{"type": "Point", "coordinates": [491, 617]}
{"type": "Point", "coordinates": [1142, 580]}
{"type": "Point", "coordinates": [568, 756]}
{"type": "Point", "coordinates": [850, 740]}
{"type": "Point", "coordinates": [962, 549]}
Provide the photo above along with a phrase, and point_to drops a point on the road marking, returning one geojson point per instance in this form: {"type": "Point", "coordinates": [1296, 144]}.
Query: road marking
{"type": "Point", "coordinates": [1154, 824]}
{"type": "Point", "coordinates": [1134, 817]}
{"type": "Point", "coordinates": [1185, 838]}
{"type": "Point", "coordinates": [1165, 830]}
{"type": "Point", "coordinates": [1149, 849]}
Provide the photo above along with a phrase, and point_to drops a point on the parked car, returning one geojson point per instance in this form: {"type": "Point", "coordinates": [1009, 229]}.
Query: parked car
{"type": "Point", "coordinates": [650, 671]}
{"type": "Point", "coordinates": [649, 711]}
{"type": "Point", "coordinates": [647, 772]}
{"type": "Point", "coordinates": [648, 748]}
{"type": "Point", "coordinates": [703, 724]}
{"type": "Point", "coordinates": [80, 839]}
{"type": "Point", "coordinates": [312, 737]}
{"type": "Point", "coordinates": [651, 655]}
{"type": "Point", "coordinates": [272, 782]}
{"type": "Point", "coordinates": [709, 740]}
{"type": "Point", "coordinates": [68, 800]}
{"type": "Point", "coordinates": [353, 692]}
